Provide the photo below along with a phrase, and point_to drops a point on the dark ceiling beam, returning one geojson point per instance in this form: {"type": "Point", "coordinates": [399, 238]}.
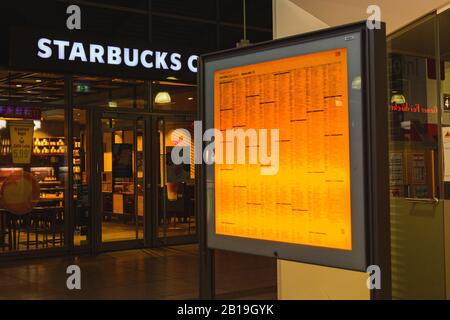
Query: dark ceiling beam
{"type": "Point", "coordinates": [44, 83]}
{"type": "Point", "coordinates": [17, 76]}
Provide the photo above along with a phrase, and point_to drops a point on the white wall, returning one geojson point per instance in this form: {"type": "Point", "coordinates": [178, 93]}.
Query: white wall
{"type": "Point", "coordinates": [294, 19]}
{"type": "Point", "coordinates": [396, 13]}
{"type": "Point", "coordinates": [298, 281]}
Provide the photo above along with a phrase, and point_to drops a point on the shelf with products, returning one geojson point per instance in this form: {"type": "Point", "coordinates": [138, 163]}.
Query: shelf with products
{"type": "Point", "coordinates": [48, 165]}
{"type": "Point", "coordinates": [51, 187]}
{"type": "Point", "coordinates": [49, 146]}
{"type": "Point", "coordinates": [78, 161]}
{"type": "Point", "coordinates": [49, 183]}
{"type": "Point", "coordinates": [49, 142]}
{"type": "Point", "coordinates": [57, 147]}
{"type": "Point", "coordinates": [5, 146]}
{"type": "Point", "coordinates": [42, 147]}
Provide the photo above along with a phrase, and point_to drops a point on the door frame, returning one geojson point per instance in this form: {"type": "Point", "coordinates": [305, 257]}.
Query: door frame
{"type": "Point", "coordinates": [151, 176]}
{"type": "Point", "coordinates": [97, 153]}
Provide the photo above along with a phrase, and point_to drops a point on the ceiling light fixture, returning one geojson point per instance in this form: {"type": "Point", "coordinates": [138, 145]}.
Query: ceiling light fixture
{"type": "Point", "coordinates": [398, 99]}
{"type": "Point", "coordinates": [163, 98]}
{"type": "Point", "coordinates": [112, 104]}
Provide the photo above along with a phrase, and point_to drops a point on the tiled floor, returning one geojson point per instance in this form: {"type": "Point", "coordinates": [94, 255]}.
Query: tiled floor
{"type": "Point", "coordinates": [166, 273]}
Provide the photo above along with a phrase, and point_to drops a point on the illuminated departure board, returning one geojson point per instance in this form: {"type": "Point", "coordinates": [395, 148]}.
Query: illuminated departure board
{"type": "Point", "coordinates": [295, 149]}
{"type": "Point", "coordinates": [308, 200]}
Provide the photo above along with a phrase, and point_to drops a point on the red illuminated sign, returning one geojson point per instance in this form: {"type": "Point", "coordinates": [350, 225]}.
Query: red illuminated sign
{"type": "Point", "coordinates": [413, 108]}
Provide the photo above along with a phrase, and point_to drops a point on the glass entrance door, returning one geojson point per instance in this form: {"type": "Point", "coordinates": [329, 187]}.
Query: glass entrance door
{"type": "Point", "coordinates": [121, 179]}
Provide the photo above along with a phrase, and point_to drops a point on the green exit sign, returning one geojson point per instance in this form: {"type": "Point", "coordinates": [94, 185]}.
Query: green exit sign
{"type": "Point", "coordinates": [83, 88]}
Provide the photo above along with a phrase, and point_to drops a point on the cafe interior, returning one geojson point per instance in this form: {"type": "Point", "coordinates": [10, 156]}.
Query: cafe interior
{"type": "Point", "coordinates": [97, 175]}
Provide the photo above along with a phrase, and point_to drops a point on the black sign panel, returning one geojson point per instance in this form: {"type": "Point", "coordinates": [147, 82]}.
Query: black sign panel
{"type": "Point", "coordinates": [75, 52]}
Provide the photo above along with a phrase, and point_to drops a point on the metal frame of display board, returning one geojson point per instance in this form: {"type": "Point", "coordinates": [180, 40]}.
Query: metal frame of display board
{"type": "Point", "coordinates": [372, 148]}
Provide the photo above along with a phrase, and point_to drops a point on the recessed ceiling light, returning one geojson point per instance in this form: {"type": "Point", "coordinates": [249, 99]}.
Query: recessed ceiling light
{"type": "Point", "coordinates": [19, 86]}
{"type": "Point", "coordinates": [112, 104]}
{"type": "Point", "coordinates": [172, 78]}
{"type": "Point", "coordinates": [38, 80]}
{"type": "Point", "coordinates": [190, 98]}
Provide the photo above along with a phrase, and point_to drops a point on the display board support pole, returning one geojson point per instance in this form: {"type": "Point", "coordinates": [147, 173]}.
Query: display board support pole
{"type": "Point", "coordinates": [206, 270]}
{"type": "Point", "coordinates": [206, 255]}
{"type": "Point", "coordinates": [377, 143]}
{"type": "Point", "coordinates": [207, 286]}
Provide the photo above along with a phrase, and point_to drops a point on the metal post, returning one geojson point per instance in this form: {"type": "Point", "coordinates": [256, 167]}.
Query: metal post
{"type": "Point", "coordinates": [68, 195]}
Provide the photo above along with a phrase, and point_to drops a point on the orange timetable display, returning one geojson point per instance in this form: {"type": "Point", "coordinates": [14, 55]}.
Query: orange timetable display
{"type": "Point", "coordinates": [308, 202]}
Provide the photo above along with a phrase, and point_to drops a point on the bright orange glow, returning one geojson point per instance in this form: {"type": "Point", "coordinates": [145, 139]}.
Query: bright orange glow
{"type": "Point", "coordinates": [308, 202]}
{"type": "Point", "coordinates": [19, 193]}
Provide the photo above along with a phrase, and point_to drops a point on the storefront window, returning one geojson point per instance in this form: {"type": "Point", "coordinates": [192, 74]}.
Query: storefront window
{"type": "Point", "coordinates": [113, 93]}
{"type": "Point", "coordinates": [33, 161]}
{"type": "Point", "coordinates": [417, 238]}
{"type": "Point", "coordinates": [176, 190]}
{"type": "Point", "coordinates": [444, 43]}
{"type": "Point", "coordinates": [171, 96]}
